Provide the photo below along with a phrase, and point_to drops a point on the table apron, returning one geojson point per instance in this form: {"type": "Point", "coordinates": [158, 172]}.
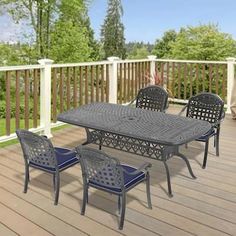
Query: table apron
{"type": "Point", "coordinates": [132, 145]}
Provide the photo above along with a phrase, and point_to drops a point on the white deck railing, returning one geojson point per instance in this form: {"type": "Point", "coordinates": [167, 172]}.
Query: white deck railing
{"type": "Point", "coordinates": [119, 79]}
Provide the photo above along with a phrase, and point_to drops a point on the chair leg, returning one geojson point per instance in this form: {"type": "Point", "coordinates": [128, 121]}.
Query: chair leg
{"type": "Point", "coordinates": [26, 178]}
{"type": "Point", "coordinates": [148, 190]}
{"type": "Point", "coordinates": [100, 143]}
{"type": "Point", "coordinates": [56, 182]}
{"type": "Point", "coordinates": [85, 199]}
{"type": "Point", "coordinates": [217, 140]}
{"type": "Point", "coordinates": [118, 204]}
{"type": "Point", "coordinates": [205, 154]}
{"type": "Point", "coordinates": [122, 215]}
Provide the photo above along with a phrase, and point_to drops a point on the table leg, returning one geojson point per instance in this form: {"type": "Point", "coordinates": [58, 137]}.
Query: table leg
{"type": "Point", "coordinates": [168, 179]}
{"type": "Point", "coordinates": [88, 141]}
{"type": "Point", "coordinates": [85, 143]}
{"type": "Point", "coordinates": [187, 163]}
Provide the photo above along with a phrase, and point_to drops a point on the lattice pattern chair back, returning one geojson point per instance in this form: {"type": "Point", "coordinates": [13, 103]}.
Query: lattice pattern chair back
{"type": "Point", "coordinates": [205, 106]}
{"type": "Point", "coordinates": [37, 149]}
{"type": "Point", "coordinates": [152, 98]}
{"type": "Point", "coordinates": [101, 169]}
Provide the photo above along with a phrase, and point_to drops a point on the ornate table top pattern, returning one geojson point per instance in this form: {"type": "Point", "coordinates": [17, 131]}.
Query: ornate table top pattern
{"type": "Point", "coordinates": [157, 127]}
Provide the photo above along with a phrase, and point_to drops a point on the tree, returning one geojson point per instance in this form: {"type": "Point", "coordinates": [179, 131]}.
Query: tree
{"type": "Point", "coordinates": [15, 54]}
{"type": "Point", "coordinates": [112, 31]}
{"type": "Point", "coordinates": [70, 39]}
{"type": "Point", "coordinates": [47, 17]}
{"type": "Point", "coordinates": [40, 14]}
{"type": "Point", "coordinates": [69, 43]}
{"type": "Point", "coordinates": [203, 42]}
{"type": "Point", "coordinates": [93, 44]}
{"type": "Point", "coordinates": [132, 47]}
{"type": "Point", "coordinates": [162, 46]}
{"type": "Point", "coordinates": [138, 52]}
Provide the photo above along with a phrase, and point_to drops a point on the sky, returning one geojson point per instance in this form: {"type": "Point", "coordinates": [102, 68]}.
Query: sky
{"type": "Point", "coordinates": [147, 20]}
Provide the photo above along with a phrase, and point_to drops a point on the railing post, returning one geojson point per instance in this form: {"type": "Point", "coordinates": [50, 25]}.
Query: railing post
{"type": "Point", "coordinates": [152, 59]}
{"type": "Point", "coordinates": [113, 79]}
{"type": "Point", "coordinates": [45, 96]}
{"type": "Point", "coordinates": [230, 81]}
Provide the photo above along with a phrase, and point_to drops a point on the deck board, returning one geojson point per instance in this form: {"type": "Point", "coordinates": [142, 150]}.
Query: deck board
{"type": "Point", "coordinates": [205, 206]}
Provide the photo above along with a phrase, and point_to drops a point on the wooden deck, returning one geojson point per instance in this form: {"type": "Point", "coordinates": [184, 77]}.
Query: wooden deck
{"type": "Point", "coordinates": [205, 206]}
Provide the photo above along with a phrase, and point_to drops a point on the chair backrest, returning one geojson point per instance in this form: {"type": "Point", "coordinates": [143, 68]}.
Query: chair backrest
{"type": "Point", "coordinates": [99, 168]}
{"type": "Point", "coordinates": [152, 98]}
{"type": "Point", "coordinates": [205, 106]}
{"type": "Point", "coordinates": [37, 149]}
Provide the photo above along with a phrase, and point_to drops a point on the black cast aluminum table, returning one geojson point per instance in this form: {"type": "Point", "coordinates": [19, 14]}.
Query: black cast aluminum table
{"type": "Point", "coordinates": [147, 133]}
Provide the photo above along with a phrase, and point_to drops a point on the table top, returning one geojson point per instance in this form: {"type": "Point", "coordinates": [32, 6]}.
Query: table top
{"type": "Point", "coordinates": [157, 127]}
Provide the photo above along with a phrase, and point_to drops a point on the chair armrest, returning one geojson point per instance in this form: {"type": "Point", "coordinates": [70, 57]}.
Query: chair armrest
{"type": "Point", "coordinates": [167, 106]}
{"type": "Point", "coordinates": [222, 116]}
{"type": "Point", "coordinates": [131, 103]}
{"type": "Point", "coordinates": [182, 110]}
{"type": "Point", "coordinates": [219, 121]}
{"type": "Point", "coordinates": [144, 167]}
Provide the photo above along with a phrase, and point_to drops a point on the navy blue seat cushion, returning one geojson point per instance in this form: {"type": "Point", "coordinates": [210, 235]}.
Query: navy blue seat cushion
{"type": "Point", "coordinates": [207, 135]}
{"type": "Point", "coordinates": [129, 180]}
{"type": "Point", "coordinates": [64, 160]}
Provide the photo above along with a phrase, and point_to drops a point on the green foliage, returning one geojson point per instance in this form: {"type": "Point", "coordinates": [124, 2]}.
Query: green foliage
{"type": "Point", "coordinates": [112, 32]}
{"type": "Point", "coordinates": [203, 42]}
{"type": "Point", "coordinates": [72, 37]}
{"type": "Point", "coordinates": [162, 46]}
{"type": "Point", "coordinates": [17, 54]}
{"type": "Point", "coordinates": [13, 54]}
{"type": "Point", "coordinates": [138, 50]}
{"type": "Point", "coordinates": [41, 15]}
{"type": "Point", "coordinates": [92, 43]}
{"type": "Point", "coordinates": [138, 53]}
{"type": "Point", "coordinates": [13, 109]}
{"type": "Point", "coordinates": [53, 23]}
{"type": "Point", "coordinates": [69, 43]}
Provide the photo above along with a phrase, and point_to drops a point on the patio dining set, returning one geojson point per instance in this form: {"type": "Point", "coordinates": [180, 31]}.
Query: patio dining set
{"type": "Point", "coordinates": [143, 128]}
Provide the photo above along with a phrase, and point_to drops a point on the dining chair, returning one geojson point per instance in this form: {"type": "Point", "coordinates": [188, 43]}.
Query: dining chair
{"type": "Point", "coordinates": [39, 153]}
{"type": "Point", "coordinates": [152, 98]}
{"type": "Point", "coordinates": [106, 173]}
{"type": "Point", "coordinates": [208, 107]}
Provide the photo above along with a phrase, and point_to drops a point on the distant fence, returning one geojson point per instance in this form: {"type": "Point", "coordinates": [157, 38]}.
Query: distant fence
{"type": "Point", "coordinates": [32, 96]}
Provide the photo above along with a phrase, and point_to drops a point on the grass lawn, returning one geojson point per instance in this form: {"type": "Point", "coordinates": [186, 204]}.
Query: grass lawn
{"type": "Point", "coordinates": [13, 128]}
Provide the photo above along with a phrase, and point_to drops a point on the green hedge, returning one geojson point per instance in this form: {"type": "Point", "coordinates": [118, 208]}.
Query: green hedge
{"type": "Point", "coordinates": [13, 110]}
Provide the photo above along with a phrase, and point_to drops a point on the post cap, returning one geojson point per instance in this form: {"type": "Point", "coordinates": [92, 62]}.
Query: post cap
{"type": "Point", "coordinates": [231, 59]}
{"type": "Point", "coordinates": [152, 57]}
{"type": "Point", "coordinates": [113, 58]}
{"type": "Point", "coordinates": [45, 61]}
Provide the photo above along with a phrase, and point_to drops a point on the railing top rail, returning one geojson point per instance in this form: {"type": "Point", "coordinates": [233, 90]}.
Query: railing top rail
{"type": "Point", "coordinates": [191, 61]}
{"type": "Point", "coordinates": [133, 60]}
{"type": "Point", "coordinates": [23, 67]}
{"type": "Point", "coordinates": [82, 64]}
